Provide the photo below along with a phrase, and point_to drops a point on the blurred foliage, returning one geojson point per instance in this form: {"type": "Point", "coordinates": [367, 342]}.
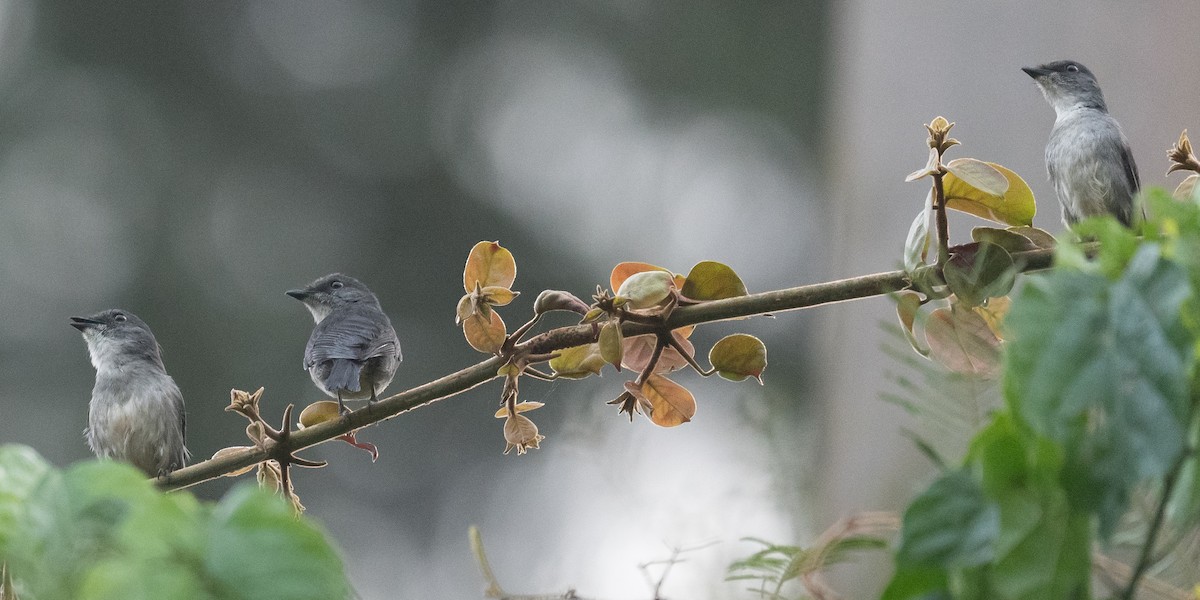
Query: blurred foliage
{"type": "Point", "coordinates": [1100, 388]}
{"type": "Point", "coordinates": [100, 530]}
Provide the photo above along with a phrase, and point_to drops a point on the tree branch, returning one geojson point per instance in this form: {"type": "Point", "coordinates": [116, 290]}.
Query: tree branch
{"type": "Point", "coordinates": [804, 296]}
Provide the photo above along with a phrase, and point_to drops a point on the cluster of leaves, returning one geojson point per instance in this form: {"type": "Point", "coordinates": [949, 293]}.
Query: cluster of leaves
{"type": "Point", "coordinates": [1101, 387]}
{"type": "Point", "coordinates": [775, 565]}
{"type": "Point", "coordinates": [100, 530]}
{"type": "Point", "coordinates": [969, 283]}
{"type": "Point", "coordinates": [645, 295]}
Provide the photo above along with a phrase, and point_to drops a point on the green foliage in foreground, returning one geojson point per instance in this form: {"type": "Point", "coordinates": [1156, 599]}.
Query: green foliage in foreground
{"type": "Point", "coordinates": [100, 530]}
{"type": "Point", "coordinates": [1101, 393]}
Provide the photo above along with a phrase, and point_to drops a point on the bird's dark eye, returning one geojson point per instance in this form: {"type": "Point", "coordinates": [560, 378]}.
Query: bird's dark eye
{"type": "Point", "coordinates": [120, 318]}
{"type": "Point", "coordinates": [337, 285]}
{"type": "Point", "coordinates": [1072, 68]}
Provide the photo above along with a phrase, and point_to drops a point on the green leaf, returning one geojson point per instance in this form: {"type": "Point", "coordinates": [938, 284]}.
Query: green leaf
{"type": "Point", "coordinates": [710, 280]}
{"type": "Point", "coordinates": [987, 272]}
{"type": "Point", "coordinates": [1102, 367]}
{"type": "Point", "coordinates": [647, 289]}
{"type": "Point", "coordinates": [1118, 244]}
{"type": "Point", "coordinates": [258, 548]}
{"type": "Point", "coordinates": [916, 246]}
{"type": "Point", "coordinates": [611, 343]}
{"type": "Point", "coordinates": [1005, 238]}
{"type": "Point", "coordinates": [738, 356]}
{"type": "Point", "coordinates": [1015, 207]}
{"type": "Point", "coordinates": [21, 472]}
{"type": "Point", "coordinates": [578, 362]}
{"type": "Point", "coordinates": [951, 525]}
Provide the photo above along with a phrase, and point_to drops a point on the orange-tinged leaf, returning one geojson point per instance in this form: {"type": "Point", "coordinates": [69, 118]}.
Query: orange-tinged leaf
{"type": "Point", "coordinates": [907, 305]}
{"type": "Point", "coordinates": [646, 289]}
{"type": "Point", "coordinates": [1014, 207]}
{"type": "Point", "coordinates": [960, 340]}
{"type": "Point", "coordinates": [489, 264]}
{"type": "Point", "coordinates": [710, 280]}
{"type": "Point", "coordinates": [622, 272]}
{"type": "Point", "coordinates": [611, 344]}
{"type": "Point", "coordinates": [318, 412]}
{"type": "Point", "coordinates": [738, 356]}
{"type": "Point", "coordinates": [578, 362]}
{"type": "Point", "coordinates": [485, 333]}
{"type": "Point", "coordinates": [520, 408]}
{"type": "Point", "coordinates": [640, 348]}
{"type": "Point", "coordinates": [673, 404]}
{"type": "Point", "coordinates": [232, 450]}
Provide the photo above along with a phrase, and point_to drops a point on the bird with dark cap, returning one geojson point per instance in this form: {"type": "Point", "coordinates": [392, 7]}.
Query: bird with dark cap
{"type": "Point", "coordinates": [353, 351]}
{"type": "Point", "coordinates": [136, 414]}
{"type": "Point", "coordinates": [1088, 158]}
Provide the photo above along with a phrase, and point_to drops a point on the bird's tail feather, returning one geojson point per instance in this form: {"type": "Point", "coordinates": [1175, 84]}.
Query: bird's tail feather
{"type": "Point", "coordinates": [343, 375]}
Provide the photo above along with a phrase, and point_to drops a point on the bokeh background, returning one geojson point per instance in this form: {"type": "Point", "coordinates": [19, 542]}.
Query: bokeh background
{"type": "Point", "coordinates": [191, 161]}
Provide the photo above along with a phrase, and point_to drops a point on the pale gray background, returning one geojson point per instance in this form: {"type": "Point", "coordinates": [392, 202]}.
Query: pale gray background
{"type": "Point", "coordinates": [191, 161]}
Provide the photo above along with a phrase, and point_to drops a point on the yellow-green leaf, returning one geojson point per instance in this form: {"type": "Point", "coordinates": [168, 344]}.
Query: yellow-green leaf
{"type": "Point", "coordinates": [672, 403]}
{"type": "Point", "coordinates": [710, 280]}
{"type": "Point", "coordinates": [1014, 207]}
{"type": "Point", "coordinates": [1040, 237]}
{"type": "Point", "coordinates": [465, 309]}
{"type": "Point", "coordinates": [233, 450]}
{"type": "Point", "coordinates": [489, 264]}
{"type": "Point", "coordinates": [485, 333]}
{"type": "Point", "coordinates": [738, 356]}
{"type": "Point", "coordinates": [611, 344]}
{"type": "Point", "coordinates": [622, 272]}
{"type": "Point", "coordinates": [979, 175]}
{"type": "Point", "coordinates": [318, 412]}
{"type": "Point", "coordinates": [578, 362]}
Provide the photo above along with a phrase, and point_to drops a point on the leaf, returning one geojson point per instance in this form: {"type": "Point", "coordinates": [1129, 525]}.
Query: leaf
{"type": "Point", "coordinates": [1187, 188]}
{"type": "Point", "coordinates": [235, 449]}
{"type": "Point", "coordinates": [21, 472]}
{"type": "Point", "coordinates": [258, 547]}
{"type": "Point", "coordinates": [710, 280]}
{"type": "Point", "coordinates": [974, 277]}
{"type": "Point", "coordinates": [1040, 237]}
{"type": "Point", "coordinates": [916, 246]}
{"type": "Point", "coordinates": [319, 412]}
{"type": "Point", "coordinates": [485, 334]}
{"type": "Point", "coordinates": [993, 313]}
{"type": "Point", "coordinates": [550, 300]}
{"type": "Point", "coordinates": [673, 404]}
{"type": "Point", "coordinates": [499, 296]}
{"type": "Point", "coordinates": [521, 433]}
{"type": "Point", "coordinates": [961, 341]}
{"type": "Point", "coordinates": [647, 289]}
{"type": "Point", "coordinates": [931, 167]}
{"type": "Point", "coordinates": [738, 356]}
{"type": "Point", "coordinates": [1102, 367]}
{"type": "Point", "coordinates": [520, 408]}
{"type": "Point", "coordinates": [622, 271]}
{"type": "Point", "coordinates": [489, 264]}
{"type": "Point", "coordinates": [578, 362]}
{"type": "Point", "coordinates": [1008, 239]}
{"type": "Point", "coordinates": [950, 525]}
{"type": "Point", "coordinates": [979, 175]}
{"type": "Point", "coordinates": [1015, 207]}
{"type": "Point", "coordinates": [908, 304]}
{"type": "Point", "coordinates": [640, 348]}
{"type": "Point", "coordinates": [611, 345]}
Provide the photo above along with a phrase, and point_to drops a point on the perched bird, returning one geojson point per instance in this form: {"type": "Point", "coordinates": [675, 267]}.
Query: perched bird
{"type": "Point", "coordinates": [1088, 158]}
{"type": "Point", "coordinates": [353, 351]}
{"type": "Point", "coordinates": [136, 414]}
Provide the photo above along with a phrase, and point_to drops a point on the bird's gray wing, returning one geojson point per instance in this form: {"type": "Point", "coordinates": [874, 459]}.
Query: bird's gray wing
{"type": "Point", "coordinates": [352, 333]}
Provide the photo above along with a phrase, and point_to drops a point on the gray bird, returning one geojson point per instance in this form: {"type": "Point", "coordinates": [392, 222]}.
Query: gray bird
{"type": "Point", "coordinates": [353, 351]}
{"type": "Point", "coordinates": [1088, 158]}
{"type": "Point", "coordinates": [136, 414]}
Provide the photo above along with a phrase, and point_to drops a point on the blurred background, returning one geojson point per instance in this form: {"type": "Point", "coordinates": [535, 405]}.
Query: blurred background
{"type": "Point", "coordinates": [190, 162]}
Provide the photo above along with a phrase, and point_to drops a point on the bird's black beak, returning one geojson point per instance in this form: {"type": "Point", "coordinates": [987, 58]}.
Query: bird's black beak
{"type": "Point", "coordinates": [84, 323]}
{"type": "Point", "coordinates": [299, 294]}
{"type": "Point", "coordinates": [1035, 72]}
